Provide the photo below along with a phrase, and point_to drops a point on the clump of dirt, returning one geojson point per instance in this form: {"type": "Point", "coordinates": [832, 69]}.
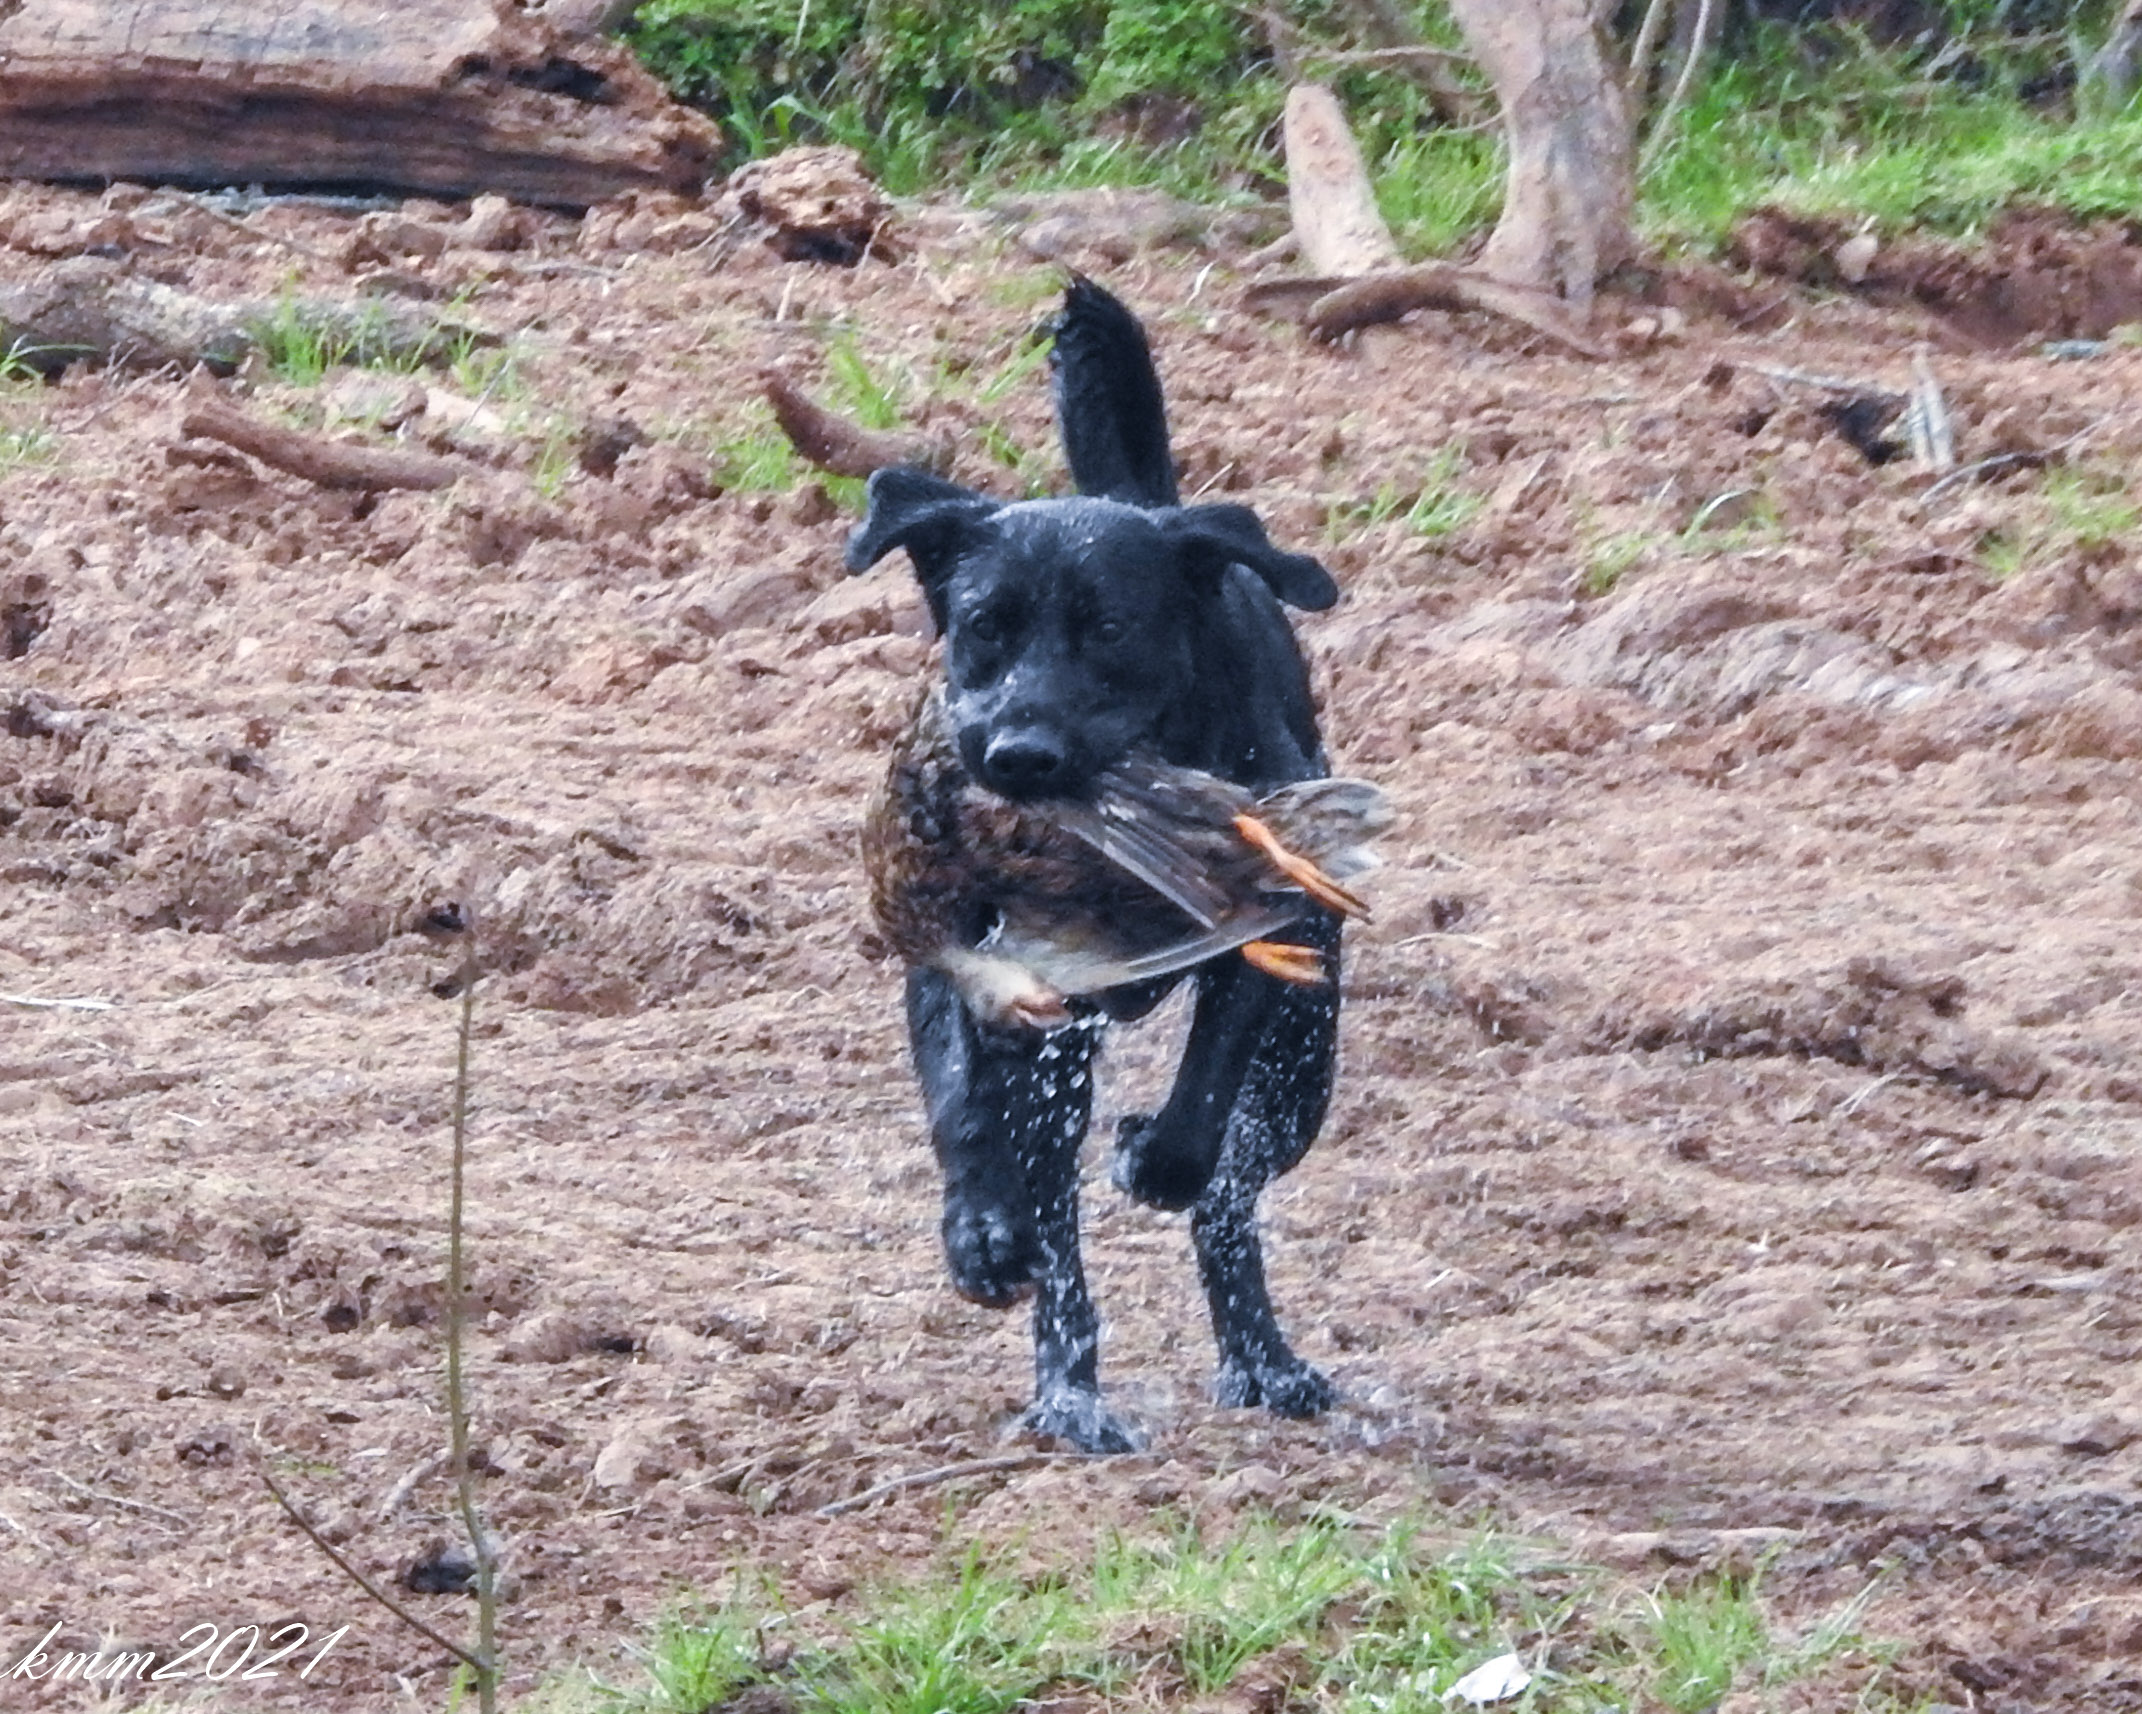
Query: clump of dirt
{"type": "Point", "coordinates": [2037, 275]}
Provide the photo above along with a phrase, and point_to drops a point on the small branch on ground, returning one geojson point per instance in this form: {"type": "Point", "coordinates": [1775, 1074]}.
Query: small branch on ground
{"type": "Point", "coordinates": [945, 1473]}
{"type": "Point", "coordinates": [841, 447]}
{"type": "Point", "coordinates": [1387, 296]}
{"type": "Point", "coordinates": [330, 463]}
{"type": "Point", "coordinates": [89, 309]}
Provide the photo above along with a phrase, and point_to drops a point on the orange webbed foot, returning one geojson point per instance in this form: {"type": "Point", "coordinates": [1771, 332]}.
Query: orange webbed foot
{"type": "Point", "coordinates": [1298, 869]}
{"type": "Point", "coordinates": [1302, 964]}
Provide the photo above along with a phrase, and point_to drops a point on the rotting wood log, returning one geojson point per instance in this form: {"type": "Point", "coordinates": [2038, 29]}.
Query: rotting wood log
{"type": "Point", "coordinates": [442, 97]}
{"type": "Point", "coordinates": [841, 447]}
{"type": "Point", "coordinates": [89, 308]}
{"type": "Point", "coordinates": [330, 463]}
{"type": "Point", "coordinates": [1387, 296]}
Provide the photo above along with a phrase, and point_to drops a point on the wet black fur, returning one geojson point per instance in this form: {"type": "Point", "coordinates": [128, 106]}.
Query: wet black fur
{"type": "Point", "coordinates": [1076, 630]}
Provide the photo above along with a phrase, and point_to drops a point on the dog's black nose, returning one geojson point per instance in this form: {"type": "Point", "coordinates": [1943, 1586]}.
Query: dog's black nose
{"type": "Point", "coordinates": [1025, 763]}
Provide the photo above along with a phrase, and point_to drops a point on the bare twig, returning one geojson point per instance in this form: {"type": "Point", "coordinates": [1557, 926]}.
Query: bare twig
{"type": "Point", "coordinates": [2001, 461]}
{"type": "Point", "coordinates": [398, 1495]}
{"type": "Point", "coordinates": [1385, 25]}
{"type": "Point", "coordinates": [1409, 52]}
{"type": "Point", "coordinates": [1698, 50]}
{"type": "Point", "coordinates": [330, 463]}
{"type": "Point", "coordinates": [120, 1500]}
{"type": "Point", "coordinates": [845, 448]}
{"type": "Point", "coordinates": [362, 1581]}
{"type": "Point", "coordinates": [41, 1005]}
{"type": "Point", "coordinates": [1822, 383]}
{"type": "Point", "coordinates": [1646, 45]}
{"type": "Point", "coordinates": [946, 1473]}
{"type": "Point", "coordinates": [485, 1663]}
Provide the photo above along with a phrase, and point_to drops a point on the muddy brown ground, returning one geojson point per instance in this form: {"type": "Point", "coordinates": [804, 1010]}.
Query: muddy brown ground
{"type": "Point", "coordinates": [1738, 1136]}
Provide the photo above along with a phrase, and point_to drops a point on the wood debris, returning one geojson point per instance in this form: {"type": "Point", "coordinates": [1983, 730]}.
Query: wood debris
{"type": "Point", "coordinates": [443, 97]}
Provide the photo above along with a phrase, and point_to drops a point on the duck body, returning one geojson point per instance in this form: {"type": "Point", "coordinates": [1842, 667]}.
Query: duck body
{"type": "Point", "coordinates": [1025, 905]}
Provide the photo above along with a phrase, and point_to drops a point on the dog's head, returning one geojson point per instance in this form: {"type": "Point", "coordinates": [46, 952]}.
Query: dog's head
{"type": "Point", "coordinates": [1070, 625]}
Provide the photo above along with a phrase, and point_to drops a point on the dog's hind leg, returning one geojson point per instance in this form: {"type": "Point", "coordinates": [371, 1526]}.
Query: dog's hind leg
{"type": "Point", "coordinates": [1276, 1118]}
{"type": "Point", "coordinates": [1167, 1159]}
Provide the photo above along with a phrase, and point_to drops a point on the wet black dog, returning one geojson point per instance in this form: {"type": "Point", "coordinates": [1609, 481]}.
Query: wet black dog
{"type": "Point", "coordinates": [1076, 631]}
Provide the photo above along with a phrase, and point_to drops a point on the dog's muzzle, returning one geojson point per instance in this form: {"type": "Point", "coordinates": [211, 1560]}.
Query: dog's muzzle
{"type": "Point", "coordinates": [1026, 762]}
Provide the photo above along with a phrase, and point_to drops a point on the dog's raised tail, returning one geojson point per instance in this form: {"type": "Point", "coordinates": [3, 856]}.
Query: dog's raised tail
{"type": "Point", "coordinates": [1108, 403]}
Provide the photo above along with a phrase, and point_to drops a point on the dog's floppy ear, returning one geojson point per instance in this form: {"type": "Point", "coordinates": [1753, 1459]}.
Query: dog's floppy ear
{"type": "Point", "coordinates": [1220, 536]}
{"type": "Point", "coordinates": [922, 513]}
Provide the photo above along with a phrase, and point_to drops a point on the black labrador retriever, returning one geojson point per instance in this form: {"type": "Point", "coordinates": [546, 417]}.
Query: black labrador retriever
{"type": "Point", "coordinates": [1079, 630]}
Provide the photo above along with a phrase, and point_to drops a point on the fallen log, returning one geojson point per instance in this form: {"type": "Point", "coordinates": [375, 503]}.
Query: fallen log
{"type": "Point", "coordinates": [1436, 285]}
{"type": "Point", "coordinates": [330, 463]}
{"type": "Point", "coordinates": [443, 97]}
{"type": "Point", "coordinates": [90, 309]}
{"type": "Point", "coordinates": [839, 446]}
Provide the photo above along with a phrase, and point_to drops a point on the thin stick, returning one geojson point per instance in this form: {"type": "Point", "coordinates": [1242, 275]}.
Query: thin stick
{"type": "Point", "coordinates": [84, 1489]}
{"type": "Point", "coordinates": [485, 1664]}
{"type": "Point", "coordinates": [31, 1000]}
{"type": "Point", "coordinates": [362, 1581]}
{"type": "Point", "coordinates": [2006, 461]}
{"type": "Point", "coordinates": [946, 1473]}
{"type": "Point", "coordinates": [1931, 413]}
{"type": "Point", "coordinates": [1647, 42]}
{"type": "Point", "coordinates": [1827, 383]}
{"type": "Point", "coordinates": [1698, 50]}
{"type": "Point", "coordinates": [237, 225]}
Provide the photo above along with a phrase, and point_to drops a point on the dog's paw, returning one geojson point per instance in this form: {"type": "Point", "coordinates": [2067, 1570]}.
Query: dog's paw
{"type": "Point", "coordinates": [1291, 1388]}
{"type": "Point", "coordinates": [1155, 1176]}
{"type": "Point", "coordinates": [1076, 1416]}
{"type": "Point", "coordinates": [993, 1257]}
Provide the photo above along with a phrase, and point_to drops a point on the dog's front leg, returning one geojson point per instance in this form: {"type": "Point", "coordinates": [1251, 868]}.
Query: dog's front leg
{"type": "Point", "coordinates": [975, 1090]}
{"type": "Point", "coordinates": [1067, 1332]}
{"type": "Point", "coordinates": [1008, 1111]}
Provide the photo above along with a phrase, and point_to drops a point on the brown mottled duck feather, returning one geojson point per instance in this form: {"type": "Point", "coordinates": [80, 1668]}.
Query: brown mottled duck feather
{"type": "Point", "coordinates": [1023, 904]}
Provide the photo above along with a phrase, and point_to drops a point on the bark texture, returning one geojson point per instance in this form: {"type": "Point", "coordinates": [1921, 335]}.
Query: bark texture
{"type": "Point", "coordinates": [1568, 205]}
{"type": "Point", "coordinates": [444, 97]}
{"type": "Point", "coordinates": [1340, 229]}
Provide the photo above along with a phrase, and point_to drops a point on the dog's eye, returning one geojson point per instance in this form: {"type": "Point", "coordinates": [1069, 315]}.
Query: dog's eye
{"type": "Point", "coordinates": [985, 627]}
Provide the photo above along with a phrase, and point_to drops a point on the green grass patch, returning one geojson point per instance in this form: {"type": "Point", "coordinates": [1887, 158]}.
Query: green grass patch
{"type": "Point", "coordinates": [2078, 509]}
{"type": "Point", "coordinates": [1834, 126]}
{"type": "Point", "coordinates": [1431, 506]}
{"type": "Point", "coordinates": [1341, 1619]}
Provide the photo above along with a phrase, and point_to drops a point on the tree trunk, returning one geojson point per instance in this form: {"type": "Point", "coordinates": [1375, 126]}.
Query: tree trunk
{"type": "Point", "coordinates": [447, 97]}
{"type": "Point", "coordinates": [1570, 198]}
